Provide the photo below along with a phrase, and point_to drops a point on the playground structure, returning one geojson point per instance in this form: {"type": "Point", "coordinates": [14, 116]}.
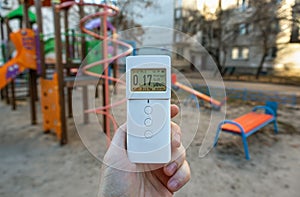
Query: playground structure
{"type": "Point", "coordinates": [32, 49]}
{"type": "Point", "coordinates": [25, 57]}
{"type": "Point", "coordinates": [95, 68]}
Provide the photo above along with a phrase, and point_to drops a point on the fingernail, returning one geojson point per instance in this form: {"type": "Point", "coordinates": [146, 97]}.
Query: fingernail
{"type": "Point", "coordinates": [172, 167]}
{"type": "Point", "coordinates": [173, 185]}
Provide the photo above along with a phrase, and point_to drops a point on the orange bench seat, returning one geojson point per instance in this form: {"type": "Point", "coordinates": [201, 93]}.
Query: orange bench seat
{"type": "Point", "coordinates": [248, 122]}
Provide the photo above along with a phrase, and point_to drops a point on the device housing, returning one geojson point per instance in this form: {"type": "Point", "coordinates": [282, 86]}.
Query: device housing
{"type": "Point", "coordinates": [148, 114]}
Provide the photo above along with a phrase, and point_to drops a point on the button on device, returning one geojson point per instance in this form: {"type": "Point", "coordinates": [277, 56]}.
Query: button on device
{"type": "Point", "coordinates": [148, 110]}
{"type": "Point", "coordinates": [148, 134]}
{"type": "Point", "coordinates": [148, 122]}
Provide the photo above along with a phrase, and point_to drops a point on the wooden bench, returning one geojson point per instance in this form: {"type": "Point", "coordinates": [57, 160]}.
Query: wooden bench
{"type": "Point", "coordinates": [248, 124]}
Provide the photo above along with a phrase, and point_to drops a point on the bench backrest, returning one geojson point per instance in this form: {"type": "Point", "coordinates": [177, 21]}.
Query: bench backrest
{"type": "Point", "coordinates": [273, 105]}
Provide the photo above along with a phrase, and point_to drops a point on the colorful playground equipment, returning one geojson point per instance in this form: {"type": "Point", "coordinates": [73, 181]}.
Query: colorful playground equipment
{"type": "Point", "coordinates": [249, 123]}
{"type": "Point", "coordinates": [52, 94]}
{"type": "Point", "coordinates": [53, 85]}
{"type": "Point", "coordinates": [214, 103]}
{"type": "Point", "coordinates": [25, 58]}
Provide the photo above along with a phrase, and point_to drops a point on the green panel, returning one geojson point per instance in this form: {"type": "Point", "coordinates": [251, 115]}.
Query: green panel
{"type": "Point", "coordinates": [49, 45]}
{"type": "Point", "coordinates": [18, 13]}
{"type": "Point", "coordinates": [94, 54]}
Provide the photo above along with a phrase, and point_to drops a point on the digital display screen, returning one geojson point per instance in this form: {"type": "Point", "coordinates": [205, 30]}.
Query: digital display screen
{"type": "Point", "coordinates": [153, 79]}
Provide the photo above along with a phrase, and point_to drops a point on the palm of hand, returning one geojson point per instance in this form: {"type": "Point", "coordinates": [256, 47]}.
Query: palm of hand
{"type": "Point", "coordinates": [120, 177]}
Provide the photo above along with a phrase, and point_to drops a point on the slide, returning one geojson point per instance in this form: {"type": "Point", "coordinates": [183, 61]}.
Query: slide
{"type": "Point", "coordinates": [24, 42]}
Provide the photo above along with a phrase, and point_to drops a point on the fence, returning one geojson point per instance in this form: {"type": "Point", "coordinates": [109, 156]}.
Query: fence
{"type": "Point", "coordinates": [252, 95]}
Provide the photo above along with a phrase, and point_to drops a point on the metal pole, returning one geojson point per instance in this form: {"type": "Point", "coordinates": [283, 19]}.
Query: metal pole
{"type": "Point", "coordinates": [6, 59]}
{"type": "Point", "coordinates": [6, 95]}
{"type": "Point", "coordinates": [2, 38]}
{"type": "Point", "coordinates": [115, 63]}
{"type": "Point", "coordinates": [3, 52]}
{"type": "Point", "coordinates": [10, 100]}
{"type": "Point", "coordinates": [105, 67]}
{"type": "Point", "coordinates": [2, 94]}
{"type": "Point", "coordinates": [60, 73]}
{"type": "Point", "coordinates": [84, 53]}
{"type": "Point", "coordinates": [32, 73]}
{"type": "Point", "coordinates": [68, 61]}
{"type": "Point", "coordinates": [39, 16]}
{"type": "Point", "coordinates": [13, 98]}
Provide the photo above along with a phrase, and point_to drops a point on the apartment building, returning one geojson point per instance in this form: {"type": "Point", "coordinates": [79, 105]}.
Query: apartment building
{"type": "Point", "coordinates": [239, 36]}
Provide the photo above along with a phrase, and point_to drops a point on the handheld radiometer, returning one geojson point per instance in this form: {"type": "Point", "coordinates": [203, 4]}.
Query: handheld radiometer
{"type": "Point", "coordinates": [148, 92]}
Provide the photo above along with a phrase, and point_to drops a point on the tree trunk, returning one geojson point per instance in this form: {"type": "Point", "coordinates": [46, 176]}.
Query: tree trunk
{"type": "Point", "coordinates": [216, 59]}
{"type": "Point", "coordinates": [260, 66]}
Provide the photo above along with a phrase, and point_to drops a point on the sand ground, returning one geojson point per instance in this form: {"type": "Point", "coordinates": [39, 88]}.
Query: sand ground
{"type": "Point", "coordinates": [33, 164]}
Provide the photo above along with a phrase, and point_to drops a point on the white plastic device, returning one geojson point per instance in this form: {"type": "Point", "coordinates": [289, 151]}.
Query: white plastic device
{"type": "Point", "coordinates": [148, 92]}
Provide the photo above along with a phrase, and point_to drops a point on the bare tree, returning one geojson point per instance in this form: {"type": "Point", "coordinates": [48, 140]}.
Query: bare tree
{"type": "Point", "coordinates": [219, 33]}
{"type": "Point", "coordinates": [262, 20]}
{"type": "Point", "coordinates": [130, 11]}
{"type": "Point", "coordinates": [265, 18]}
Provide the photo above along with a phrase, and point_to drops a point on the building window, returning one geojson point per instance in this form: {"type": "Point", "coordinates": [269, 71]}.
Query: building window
{"type": "Point", "coordinates": [272, 53]}
{"type": "Point", "coordinates": [243, 4]}
{"type": "Point", "coordinates": [235, 53]}
{"type": "Point", "coordinates": [243, 29]}
{"type": "Point", "coordinates": [295, 34]}
{"type": "Point", "coordinates": [179, 54]}
{"type": "Point", "coordinates": [178, 13]}
{"type": "Point", "coordinates": [215, 32]}
{"type": "Point", "coordinates": [177, 37]}
{"type": "Point", "coordinates": [240, 53]}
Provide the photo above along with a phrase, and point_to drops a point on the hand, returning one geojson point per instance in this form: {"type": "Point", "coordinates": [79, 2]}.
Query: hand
{"type": "Point", "coordinates": [120, 177]}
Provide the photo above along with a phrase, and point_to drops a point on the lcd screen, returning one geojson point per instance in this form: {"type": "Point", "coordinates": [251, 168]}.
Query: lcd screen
{"type": "Point", "coordinates": [153, 79]}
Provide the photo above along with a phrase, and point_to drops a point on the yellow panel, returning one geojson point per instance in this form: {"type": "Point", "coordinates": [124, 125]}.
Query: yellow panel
{"type": "Point", "coordinates": [50, 105]}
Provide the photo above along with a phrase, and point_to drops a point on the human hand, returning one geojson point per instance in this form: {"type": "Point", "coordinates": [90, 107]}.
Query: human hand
{"type": "Point", "coordinates": [120, 177]}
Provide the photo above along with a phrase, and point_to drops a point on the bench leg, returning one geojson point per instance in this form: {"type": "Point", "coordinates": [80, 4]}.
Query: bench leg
{"type": "Point", "coordinates": [244, 138]}
{"type": "Point", "coordinates": [275, 127]}
{"type": "Point", "coordinates": [217, 137]}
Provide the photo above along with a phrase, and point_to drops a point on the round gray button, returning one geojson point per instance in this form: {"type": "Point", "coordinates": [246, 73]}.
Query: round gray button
{"type": "Point", "coordinates": [148, 122]}
{"type": "Point", "coordinates": [148, 110]}
{"type": "Point", "coordinates": [148, 134]}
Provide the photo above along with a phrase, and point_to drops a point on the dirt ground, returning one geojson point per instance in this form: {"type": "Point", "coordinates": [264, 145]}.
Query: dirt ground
{"type": "Point", "coordinates": [33, 164]}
